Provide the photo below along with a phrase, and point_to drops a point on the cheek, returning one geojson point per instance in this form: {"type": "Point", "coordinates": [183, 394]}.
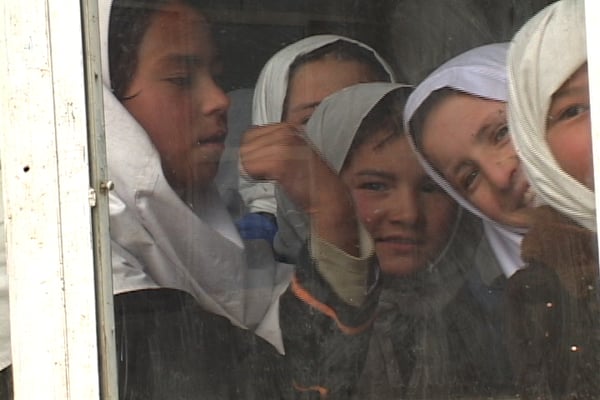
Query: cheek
{"type": "Point", "coordinates": [441, 214]}
{"type": "Point", "coordinates": [486, 202]}
{"type": "Point", "coordinates": [573, 153]}
{"type": "Point", "coordinates": [368, 210]}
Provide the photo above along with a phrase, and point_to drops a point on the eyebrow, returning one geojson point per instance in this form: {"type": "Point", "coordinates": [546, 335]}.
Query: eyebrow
{"type": "Point", "coordinates": [375, 172]}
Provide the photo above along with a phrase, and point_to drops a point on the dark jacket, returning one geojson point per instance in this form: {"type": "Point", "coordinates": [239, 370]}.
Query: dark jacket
{"type": "Point", "coordinates": [168, 347]}
{"type": "Point", "coordinates": [438, 332]}
{"type": "Point", "coordinates": [553, 318]}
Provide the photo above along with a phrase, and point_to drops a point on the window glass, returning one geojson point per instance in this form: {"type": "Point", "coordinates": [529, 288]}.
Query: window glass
{"type": "Point", "coordinates": [350, 199]}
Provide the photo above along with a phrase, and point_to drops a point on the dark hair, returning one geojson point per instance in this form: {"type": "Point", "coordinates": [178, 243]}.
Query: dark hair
{"type": "Point", "coordinates": [417, 121]}
{"type": "Point", "coordinates": [340, 50]}
{"type": "Point", "coordinates": [386, 115]}
{"type": "Point", "coordinates": [129, 21]}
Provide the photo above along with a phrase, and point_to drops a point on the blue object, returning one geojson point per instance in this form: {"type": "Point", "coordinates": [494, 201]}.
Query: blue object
{"type": "Point", "coordinates": [257, 226]}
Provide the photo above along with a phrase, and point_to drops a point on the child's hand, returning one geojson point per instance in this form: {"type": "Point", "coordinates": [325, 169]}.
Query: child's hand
{"type": "Point", "coordinates": [281, 152]}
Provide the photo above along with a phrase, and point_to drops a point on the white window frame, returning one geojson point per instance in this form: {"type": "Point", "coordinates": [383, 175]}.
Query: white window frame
{"type": "Point", "coordinates": [62, 329]}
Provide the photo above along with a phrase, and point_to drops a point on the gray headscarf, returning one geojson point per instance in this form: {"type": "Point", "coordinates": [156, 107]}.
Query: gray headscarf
{"type": "Point", "coordinates": [331, 129]}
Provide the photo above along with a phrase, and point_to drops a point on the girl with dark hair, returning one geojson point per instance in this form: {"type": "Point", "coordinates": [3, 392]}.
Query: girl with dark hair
{"type": "Point", "coordinates": [183, 278]}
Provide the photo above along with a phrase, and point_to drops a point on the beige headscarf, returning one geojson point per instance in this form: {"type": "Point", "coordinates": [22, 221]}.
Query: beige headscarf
{"type": "Point", "coordinates": [542, 56]}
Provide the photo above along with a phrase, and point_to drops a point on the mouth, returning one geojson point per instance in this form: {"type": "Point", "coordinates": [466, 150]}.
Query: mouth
{"type": "Point", "coordinates": [399, 243]}
{"type": "Point", "coordinates": [215, 138]}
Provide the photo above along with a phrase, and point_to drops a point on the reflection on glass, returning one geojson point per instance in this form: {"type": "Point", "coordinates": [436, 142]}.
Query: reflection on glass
{"type": "Point", "coordinates": [387, 241]}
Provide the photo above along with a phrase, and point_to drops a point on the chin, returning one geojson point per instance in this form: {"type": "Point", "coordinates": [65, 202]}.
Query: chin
{"type": "Point", "coordinates": [401, 268]}
{"type": "Point", "coordinates": [203, 175]}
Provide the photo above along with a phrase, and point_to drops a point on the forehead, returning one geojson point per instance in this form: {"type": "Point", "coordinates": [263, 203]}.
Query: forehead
{"type": "Point", "coordinates": [578, 80]}
{"type": "Point", "coordinates": [176, 28]}
{"type": "Point", "coordinates": [386, 151]}
{"type": "Point", "coordinates": [460, 117]}
{"type": "Point", "coordinates": [317, 79]}
{"type": "Point", "coordinates": [456, 128]}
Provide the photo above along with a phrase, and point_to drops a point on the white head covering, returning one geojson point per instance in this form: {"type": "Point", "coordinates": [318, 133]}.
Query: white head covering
{"type": "Point", "coordinates": [331, 129]}
{"type": "Point", "coordinates": [267, 106]}
{"type": "Point", "coordinates": [543, 55]}
{"type": "Point", "coordinates": [160, 241]}
{"type": "Point", "coordinates": [480, 72]}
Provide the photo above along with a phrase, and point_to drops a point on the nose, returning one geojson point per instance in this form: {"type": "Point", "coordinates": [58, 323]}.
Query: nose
{"type": "Point", "coordinates": [501, 169]}
{"type": "Point", "coordinates": [403, 207]}
{"type": "Point", "coordinates": [214, 100]}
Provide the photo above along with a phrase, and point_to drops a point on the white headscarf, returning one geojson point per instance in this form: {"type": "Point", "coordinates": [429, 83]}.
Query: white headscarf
{"type": "Point", "coordinates": [480, 72]}
{"type": "Point", "coordinates": [543, 55]}
{"type": "Point", "coordinates": [267, 106]}
{"type": "Point", "coordinates": [331, 129]}
{"type": "Point", "coordinates": [160, 241]}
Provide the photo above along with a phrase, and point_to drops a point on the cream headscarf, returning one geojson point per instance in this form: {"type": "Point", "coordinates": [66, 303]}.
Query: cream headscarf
{"type": "Point", "coordinates": [543, 55]}
{"type": "Point", "coordinates": [331, 129]}
{"type": "Point", "coordinates": [480, 72]}
{"type": "Point", "coordinates": [267, 106]}
{"type": "Point", "coordinates": [160, 241]}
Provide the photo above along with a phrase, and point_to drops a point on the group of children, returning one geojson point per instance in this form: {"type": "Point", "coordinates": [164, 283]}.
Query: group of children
{"type": "Point", "coordinates": [426, 242]}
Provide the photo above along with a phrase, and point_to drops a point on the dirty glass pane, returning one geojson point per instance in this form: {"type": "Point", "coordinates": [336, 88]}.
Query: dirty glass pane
{"type": "Point", "coordinates": [280, 234]}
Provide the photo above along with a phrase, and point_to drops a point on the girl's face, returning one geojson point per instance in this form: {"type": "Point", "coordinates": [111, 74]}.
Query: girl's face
{"type": "Point", "coordinates": [174, 97]}
{"type": "Point", "coordinates": [466, 138]}
{"type": "Point", "coordinates": [569, 132]}
{"type": "Point", "coordinates": [409, 217]}
{"type": "Point", "coordinates": [314, 81]}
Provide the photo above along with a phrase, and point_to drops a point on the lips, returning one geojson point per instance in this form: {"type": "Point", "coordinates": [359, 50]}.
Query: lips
{"type": "Point", "coordinates": [215, 138]}
{"type": "Point", "coordinates": [399, 243]}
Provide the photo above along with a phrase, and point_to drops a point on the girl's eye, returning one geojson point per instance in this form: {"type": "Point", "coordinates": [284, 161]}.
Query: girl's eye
{"type": "Point", "coordinates": [373, 186]}
{"type": "Point", "coordinates": [181, 81]}
{"type": "Point", "coordinates": [573, 111]}
{"type": "Point", "coordinates": [469, 180]}
{"type": "Point", "coordinates": [501, 134]}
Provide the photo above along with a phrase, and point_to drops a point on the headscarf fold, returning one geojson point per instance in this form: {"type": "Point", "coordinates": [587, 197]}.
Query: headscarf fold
{"type": "Point", "coordinates": [267, 106]}
{"type": "Point", "coordinates": [158, 240]}
{"type": "Point", "coordinates": [543, 55]}
{"type": "Point", "coordinates": [331, 129]}
{"type": "Point", "coordinates": [480, 72]}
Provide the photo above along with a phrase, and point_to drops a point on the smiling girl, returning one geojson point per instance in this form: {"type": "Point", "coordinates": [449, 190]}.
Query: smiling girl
{"type": "Point", "coordinates": [457, 120]}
